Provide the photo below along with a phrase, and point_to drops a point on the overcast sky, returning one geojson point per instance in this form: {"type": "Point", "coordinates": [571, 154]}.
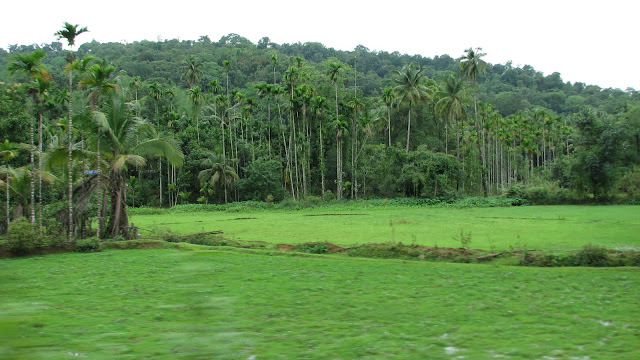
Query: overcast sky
{"type": "Point", "coordinates": [594, 42]}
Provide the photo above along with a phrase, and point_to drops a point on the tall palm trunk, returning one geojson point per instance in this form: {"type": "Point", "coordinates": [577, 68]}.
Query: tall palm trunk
{"type": "Point", "coordinates": [99, 169]}
{"type": "Point", "coordinates": [8, 201]}
{"type": "Point", "coordinates": [70, 144]}
{"type": "Point", "coordinates": [40, 217]}
{"type": "Point", "coordinates": [32, 151]}
{"type": "Point", "coordinates": [322, 166]}
{"type": "Point", "coordinates": [409, 126]}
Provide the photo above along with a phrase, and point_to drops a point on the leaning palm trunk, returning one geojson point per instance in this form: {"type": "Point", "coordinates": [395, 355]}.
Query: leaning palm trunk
{"type": "Point", "coordinates": [118, 220]}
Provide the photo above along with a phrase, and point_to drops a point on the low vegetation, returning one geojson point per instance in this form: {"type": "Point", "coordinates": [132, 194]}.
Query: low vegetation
{"type": "Point", "coordinates": [162, 303]}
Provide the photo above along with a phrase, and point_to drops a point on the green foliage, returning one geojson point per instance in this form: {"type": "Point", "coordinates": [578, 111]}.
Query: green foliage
{"type": "Point", "coordinates": [589, 255]}
{"type": "Point", "coordinates": [312, 248]}
{"type": "Point", "coordinates": [23, 237]}
{"type": "Point", "coordinates": [92, 244]}
{"type": "Point", "coordinates": [592, 255]}
{"type": "Point", "coordinates": [629, 185]}
{"type": "Point", "coordinates": [262, 178]}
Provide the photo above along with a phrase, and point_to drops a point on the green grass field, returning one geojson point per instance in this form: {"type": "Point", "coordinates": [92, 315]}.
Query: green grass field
{"type": "Point", "coordinates": [229, 304]}
{"type": "Point", "coordinates": [534, 227]}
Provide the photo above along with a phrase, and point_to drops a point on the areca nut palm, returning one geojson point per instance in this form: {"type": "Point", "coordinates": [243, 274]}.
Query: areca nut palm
{"type": "Point", "coordinates": [31, 66]}
{"type": "Point", "coordinates": [8, 151]}
{"type": "Point", "coordinates": [70, 32]}
{"type": "Point", "coordinates": [388, 97]}
{"type": "Point", "coordinates": [410, 87]}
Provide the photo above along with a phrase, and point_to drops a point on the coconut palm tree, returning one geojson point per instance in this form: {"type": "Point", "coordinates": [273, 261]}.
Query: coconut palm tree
{"type": "Point", "coordinates": [218, 173]}
{"type": "Point", "coordinates": [98, 84]}
{"type": "Point", "coordinates": [31, 66]}
{"type": "Point", "coordinates": [410, 87]}
{"type": "Point", "coordinates": [70, 32]}
{"type": "Point", "coordinates": [192, 68]}
{"type": "Point", "coordinates": [126, 141]}
{"type": "Point", "coordinates": [452, 105]}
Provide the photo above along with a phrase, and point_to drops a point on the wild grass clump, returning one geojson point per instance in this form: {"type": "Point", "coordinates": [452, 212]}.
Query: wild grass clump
{"type": "Point", "coordinates": [589, 255]}
{"type": "Point", "coordinates": [88, 245]}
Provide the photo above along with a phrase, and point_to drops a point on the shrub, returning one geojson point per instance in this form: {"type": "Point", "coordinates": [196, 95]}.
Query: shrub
{"type": "Point", "coordinates": [23, 238]}
{"type": "Point", "coordinates": [92, 244]}
{"type": "Point", "coordinates": [591, 255]}
{"type": "Point", "coordinates": [313, 248]}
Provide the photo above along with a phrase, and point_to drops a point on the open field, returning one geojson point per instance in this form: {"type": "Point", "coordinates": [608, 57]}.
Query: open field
{"type": "Point", "coordinates": [534, 227]}
{"type": "Point", "coordinates": [227, 304]}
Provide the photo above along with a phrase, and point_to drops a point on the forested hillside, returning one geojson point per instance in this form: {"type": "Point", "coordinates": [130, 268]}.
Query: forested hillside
{"type": "Point", "coordinates": [180, 121]}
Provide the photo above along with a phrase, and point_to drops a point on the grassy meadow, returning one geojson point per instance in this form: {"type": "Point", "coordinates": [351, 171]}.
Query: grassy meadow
{"type": "Point", "coordinates": [229, 304]}
{"type": "Point", "coordinates": [534, 227]}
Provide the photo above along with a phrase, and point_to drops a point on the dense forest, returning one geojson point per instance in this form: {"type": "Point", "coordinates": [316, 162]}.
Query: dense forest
{"type": "Point", "coordinates": [89, 131]}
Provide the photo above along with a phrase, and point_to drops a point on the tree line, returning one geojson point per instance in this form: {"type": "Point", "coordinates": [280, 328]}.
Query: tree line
{"type": "Point", "coordinates": [161, 123]}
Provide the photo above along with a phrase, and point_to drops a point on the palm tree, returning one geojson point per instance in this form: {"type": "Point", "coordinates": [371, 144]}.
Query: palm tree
{"type": "Point", "coordinates": [31, 65]}
{"type": "Point", "coordinates": [97, 82]}
{"type": "Point", "coordinates": [340, 125]}
{"type": "Point", "coordinates": [334, 69]}
{"type": "Point", "coordinates": [226, 66]}
{"type": "Point", "coordinates": [196, 98]}
{"type": "Point", "coordinates": [217, 173]}
{"type": "Point", "coordinates": [317, 105]}
{"type": "Point", "coordinates": [128, 141]}
{"type": "Point", "coordinates": [410, 86]}
{"type": "Point", "coordinates": [7, 152]}
{"type": "Point", "coordinates": [156, 93]}
{"type": "Point", "coordinates": [472, 65]}
{"type": "Point", "coordinates": [192, 68]}
{"type": "Point", "coordinates": [70, 32]}
{"type": "Point", "coordinates": [452, 105]}
{"type": "Point", "coordinates": [388, 98]}
{"type": "Point", "coordinates": [42, 87]}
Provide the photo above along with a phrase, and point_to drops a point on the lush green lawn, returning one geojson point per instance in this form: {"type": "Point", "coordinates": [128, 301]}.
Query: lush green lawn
{"type": "Point", "coordinates": [534, 227]}
{"type": "Point", "coordinates": [135, 304]}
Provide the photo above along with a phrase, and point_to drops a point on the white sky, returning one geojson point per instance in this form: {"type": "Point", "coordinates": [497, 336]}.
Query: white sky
{"type": "Point", "coordinates": [595, 42]}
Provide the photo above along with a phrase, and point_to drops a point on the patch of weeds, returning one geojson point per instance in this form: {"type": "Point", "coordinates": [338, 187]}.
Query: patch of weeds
{"type": "Point", "coordinates": [591, 255]}
{"type": "Point", "coordinates": [464, 238]}
{"type": "Point", "coordinates": [92, 244]}
{"type": "Point", "coordinates": [312, 248]}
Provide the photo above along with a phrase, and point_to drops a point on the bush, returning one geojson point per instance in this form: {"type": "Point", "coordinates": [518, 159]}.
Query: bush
{"type": "Point", "coordinates": [92, 244]}
{"type": "Point", "coordinates": [313, 248]}
{"type": "Point", "coordinates": [591, 255]}
{"type": "Point", "coordinates": [23, 238]}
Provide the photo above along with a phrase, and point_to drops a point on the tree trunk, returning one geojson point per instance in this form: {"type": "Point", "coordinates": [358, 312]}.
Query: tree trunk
{"type": "Point", "coordinates": [70, 143]}
{"type": "Point", "coordinates": [32, 161]}
{"type": "Point", "coordinates": [40, 172]}
{"type": "Point", "coordinates": [8, 201]}
{"type": "Point", "coordinates": [98, 168]}
{"type": "Point", "coordinates": [409, 126]}
{"type": "Point", "coordinates": [119, 220]}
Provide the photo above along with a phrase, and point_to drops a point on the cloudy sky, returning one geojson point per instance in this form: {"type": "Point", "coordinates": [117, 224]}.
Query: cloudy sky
{"type": "Point", "coordinates": [594, 42]}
